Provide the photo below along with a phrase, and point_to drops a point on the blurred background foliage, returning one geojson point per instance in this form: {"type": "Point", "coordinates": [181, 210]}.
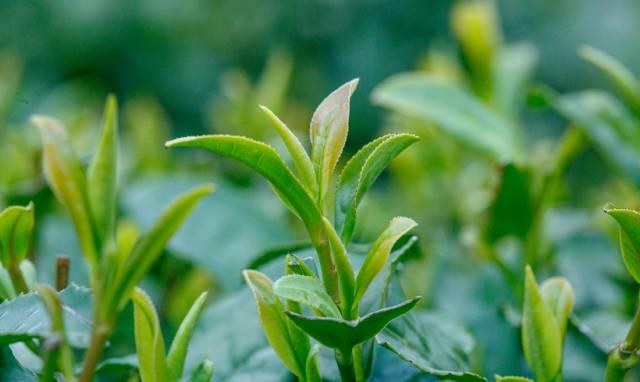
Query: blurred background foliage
{"type": "Point", "coordinates": [196, 66]}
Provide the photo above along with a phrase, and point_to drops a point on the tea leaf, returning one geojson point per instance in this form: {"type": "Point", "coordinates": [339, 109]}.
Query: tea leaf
{"type": "Point", "coordinates": [102, 175]}
{"type": "Point", "coordinates": [203, 372]}
{"type": "Point", "coordinates": [620, 77]}
{"type": "Point", "coordinates": [312, 372]}
{"type": "Point", "coordinates": [343, 267]}
{"type": "Point", "coordinates": [25, 318]}
{"type": "Point", "coordinates": [514, 67]}
{"type": "Point", "coordinates": [306, 290]}
{"type": "Point", "coordinates": [379, 253]}
{"type": "Point", "coordinates": [360, 173]}
{"type": "Point", "coordinates": [149, 342]}
{"type": "Point", "coordinates": [609, 124]}
{"type": "Point", "coordinates": [328, 132]}
{"type": "Point", "coordinates": [340, 334]}
{"type": "Point", "coordinates": [629, 221]}
{"type": "Point", "coordinates": [263, 159]}
{"type": "Point", "coordinates": [180, 345]}
{"type": "Point", "coordinates": [512, 379]}
{"type": "Point", "coordinates": [558, 295]}
{"type": "Point", "coordinates": [297, 266]}
{"type": "Point", "coordinates": [454, 110]}
{"type": "Point", "coordinates": [16, 226]}
{"type": "Point", "coordinates": [300, 157]}
{"type": "Point", "coordinates": [67, 180]}
{"type": "Point", "coordinates": [7, 291]}
{"type": "Point", "coordinates": [151, 243]}
{"type": "Point", "coordinates": [541, 334]}
{"type": "Point", "coordinates": [273, 320]}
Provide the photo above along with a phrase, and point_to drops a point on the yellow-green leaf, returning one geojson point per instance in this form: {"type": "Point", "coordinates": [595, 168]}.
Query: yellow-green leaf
{"type": "Point", "coordinates": [149, 342]}
{"type": "Point", "coordinates": [67, 180]}
{"type": "Point", "coordinates": [541, 335]}
{"type": "Point", "coordinates": [629, 221]}
{"type": "Point", "coordinates": [16, 226]}
{"type": "Point", "coordinates": [328, 133]}
{"type": "Point", "coordinates": [273, 320]}
{"type": "Point", "coordinates": [379, 253]}
{"type": "Point", "coordinates": [344, 269]}
{"type": "Point", "coordinates": [558, 295]}
{"type": "Point", "coordinates": [180, 345]}
{"type": "Point", "coordinates": [102, 175]}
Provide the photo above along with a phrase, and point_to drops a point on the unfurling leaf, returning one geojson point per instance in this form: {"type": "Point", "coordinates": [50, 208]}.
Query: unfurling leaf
{"type": "Point", "coordinates": [340, 334]}
{"type": "Point", "coordinates": [180, 345]}
{"type": "Point", "coordinates": [149, 342]}
{"type": "Point", "coordinates": [300, 157]}
{"type": "Point", "coordinates": [150, 245]}
{"type": "Point", "coordinates": [558, 295]}
{"type": "Point", "coordinates": [359, 174]}
{"type": "Point", "coordinates": [274, 321]}
{"type": "Point", "coordinates": [308, 291]}
{"type": "Point", "coordinates": [379, 253]}
{"type": "Point", "coordinates": [67, 180]}
{"type": "Point", "coordinates": [312, 369]}
{"type": "Point", "coordinates": [102, 175]}
{"type": "Point", "coordinates": [328, 133]}
{"type": "Point", "coordinates": [541, 333]}
{"type": "Point", "coordinates": [629, 221]}
{"type": "Point", "coordinates": [16, 226]}
{"type": "Point", "coordinates": [203, 372]}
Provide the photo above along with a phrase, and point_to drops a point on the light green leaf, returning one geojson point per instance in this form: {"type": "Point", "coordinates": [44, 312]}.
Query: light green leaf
{"type": "Point", "coordinates": [558, 295]}
{"type": "Point", "coordinates": [150, 245]}
{"type": "Point", "coordinates": [263, 159]}
{"type": "Point", "coordinates": [306, 290]}
{"type": "Point", "coordinates": [102, 175]}
{"type": "Point", "coordinates": [203, 372]}
{"type": "Point", "coordinates": [379, 253]}
{"type": "Point", "coordinates": [328, 133]}
{"type": "Point", "coordinates": [296, 266]}
{"type": "Point", "coordinates": [300, 157]}
{"type": "Point", "coordinates": [512, 379]}
{"type": "Point", "coordinates": [608, 123]}
{"type": "Point", "coordinates": [180, 345]}
{"type": "Point", "coordinates": [16, 226]}
{"type": "Point", "coordinates": [273, 320]}
{"type": "Point", "coordinates": [454, 110]}
{"type": "Point", "coordinates": [149, 342]}
{"type": "Point", "coordinates": [7, 291]}
{"type": "Point", "coordinates": [514, 68]}
{"type": "Point", "coordinates": [541, 334]}
{"type": "Point", "coordinates": [629, 221]}
{"type": "Point", "coordinates": [312, 372]}
{"type": "Point", "coordinates": [29, 274]}
{"type": "Point", "coordinates": [620, 77]}
{"type": "Point", "coordinates": [360, 173]}
{"type": "Point", "coordinates": [67, 180]}
{"type": "Point", "coordinates": [340, 334]}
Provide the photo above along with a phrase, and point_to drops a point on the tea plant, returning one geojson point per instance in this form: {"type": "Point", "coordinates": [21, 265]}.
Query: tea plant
{"type": "Point", "coordinates": [116, 262]}
{"type": "Point", "coordinates": [336, 296]}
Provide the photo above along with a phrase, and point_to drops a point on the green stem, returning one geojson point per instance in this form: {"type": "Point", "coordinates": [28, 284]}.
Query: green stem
{"type": "Point", "coordinates": [344, 358]}
{"type": "Point", "coordinates": [625, 356]}
{"type": "Point", "coordinates": [329, 272]}
{"type": "Point", "coordinates": [19, 283]}
{"type": "Point", "coordinates": [99, 337]}
{"type": "Point", "coordinates": [358, 363]}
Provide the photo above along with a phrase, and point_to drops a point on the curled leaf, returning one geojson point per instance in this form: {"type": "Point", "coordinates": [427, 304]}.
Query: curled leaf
{"type": "Point", "coordinates": [16, 226]}
{"type": "Point", "coordinates": [306, 290]}
{"type": "Point", "coordinates": [629, 221]}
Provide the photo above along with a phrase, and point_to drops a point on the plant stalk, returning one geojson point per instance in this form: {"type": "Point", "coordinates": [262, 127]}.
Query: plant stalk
{"type": "Point", "coordinates": [344, 358]}
{"type": "Point", "coordinates": [625, 356]}
{"type": "Point", "coordinates": [99, 336]}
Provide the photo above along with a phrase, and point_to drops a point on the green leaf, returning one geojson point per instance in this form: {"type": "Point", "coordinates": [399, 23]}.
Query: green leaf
{"type": "Point", "coordinates": [25, 318]}
{"type": "Point", "coordinates": [513, 194]}
{"type": "Point", "coordinates": [343, 267]}
{"type": "Point", "coordinates": [514, 68]}
{"type": "Point", "coordinates": [297, 266]}
{"type": "Point", "coordinates": [263, 159]}
{"type": "Point", "coordinates": [16, 226]}
{"type": "Point", "coordinates": [149, 342]}
{"type": "Point", "coordinates": [340, 334]}
{"type": "Point", "coordinates": [203, 372]}
{"type": "Point", "coordinates": [273, 320]}
{"type": "Point", "coordinates": [67, 180]}
{"type": "Point", "coordinates": [512, 379]}
{"type": "Point", "coordinates": [306, 290]}
{"type": "Point", "coordinates": [620, 77]}
{"type": "Point", "coordinates": [433, 344]}
{"type": "Point", "coordinates": [360, 173]}
{"type": "Point", "coordinates": [541, 334]}
{"type": "Point", "coordinates": [629, 221]}
{"type": "Point", "coordinates": [558, 295]}
{"type": "Point", "coordinates": [608, 123]}
{"type": "Point", "coordinates": [102, 175]}
{"type": "Point", "coordinates": [300, 157]}
{"type": "Point", "coordinates": [312, 373]}
{"type": "Point", "coordinates": [58, 356]}
{"type": "Point", "coordinates": [379, 253]}
{"type": "Point", "coordinates": [328, 133]}
{"type": "Point", "coordinates": [454, 110]}
{"type": "Point", "coordinates": [150, 244]}
{"type": "Point", "coordinates": [7, 291]}
{"type": "Point", "coordinates": [180, 345]}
